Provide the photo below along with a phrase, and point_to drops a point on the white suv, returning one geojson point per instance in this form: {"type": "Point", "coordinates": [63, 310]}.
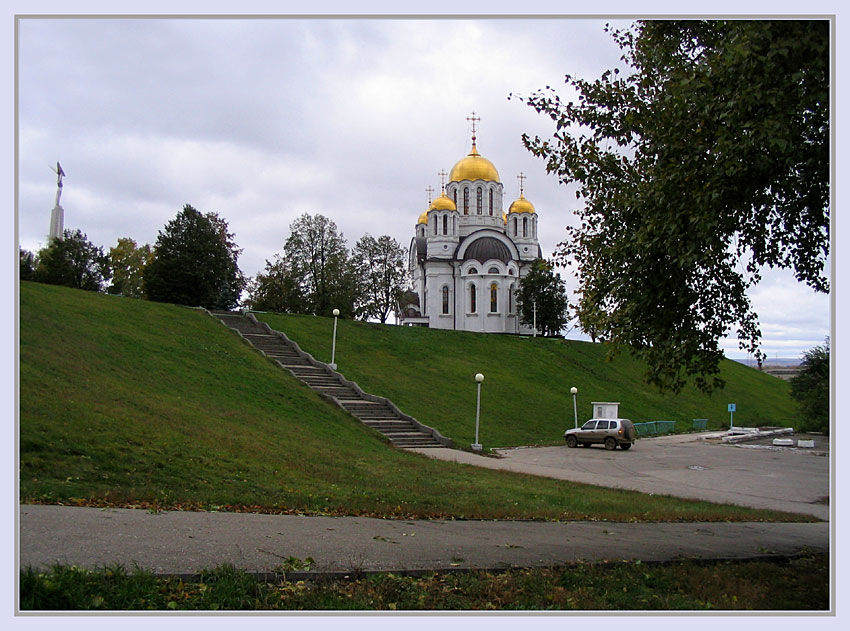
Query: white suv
{"type": "Point", "coordinates": [604, 431]}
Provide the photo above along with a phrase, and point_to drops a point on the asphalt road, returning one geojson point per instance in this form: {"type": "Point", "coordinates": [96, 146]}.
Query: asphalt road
{"type": "Point", "coordinates": [749, 474]}
{"type": "Point", "coordinates": [183, 542]}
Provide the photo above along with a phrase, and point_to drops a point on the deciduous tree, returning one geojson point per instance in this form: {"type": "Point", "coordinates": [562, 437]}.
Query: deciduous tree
{"type": "Point", "coordinates": [542, 297]}
{"type": "Point", "coordinates": [73, 261]}
{"type": "Point", "coordinates": [810, 387]}
{"type": "Point", "coordinates": [127, 261]}
{"type": "Point", "coordinates": [317, 254]}
{"type": "Point", "coordinates": [28, 264]}
{"type": "Point", "coordinates": [702, 164]}
{"type": "Point", "coordinates": [382, 275]}
{"type": "Point", "coordinates": [277, 289]}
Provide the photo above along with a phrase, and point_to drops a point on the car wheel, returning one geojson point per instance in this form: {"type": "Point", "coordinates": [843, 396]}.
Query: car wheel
{"type": "Point", "coordinates": [626, 446]}
{"type": "Point", "coordinates": [571, 441]}
{"type": "Point", "coordinates": [610, 444]}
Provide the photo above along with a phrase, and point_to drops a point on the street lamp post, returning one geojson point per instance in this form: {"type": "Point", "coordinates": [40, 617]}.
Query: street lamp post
{"type": "Point", "coordinates": [574, 392]}
{"type": "Point", "coordinates": [333, 344]}
{"type": "Point", "coordinates": [534, 304]}
{"type": "Point", "coordinates": [476, 446]}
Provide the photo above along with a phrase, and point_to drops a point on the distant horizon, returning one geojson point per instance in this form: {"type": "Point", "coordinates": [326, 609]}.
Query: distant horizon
{"type": "Point", "coordinates": [775, 361]}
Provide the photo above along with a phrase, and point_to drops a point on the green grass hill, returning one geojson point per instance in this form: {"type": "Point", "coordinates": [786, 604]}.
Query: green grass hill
{"type": "Point", "coordinates": [134, 403]}
{"type": "Point", "coordinates": [525, 396]}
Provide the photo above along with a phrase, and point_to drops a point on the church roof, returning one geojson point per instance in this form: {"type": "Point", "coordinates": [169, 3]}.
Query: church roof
{"type": "Point", "coordinates": [443, 203]}
{"type": "Point", "coordinates": [487, 248]}
{"type": "Point", "coordinates": [474, 167]}
{"type": "Point", "coordinates": [521, 205]}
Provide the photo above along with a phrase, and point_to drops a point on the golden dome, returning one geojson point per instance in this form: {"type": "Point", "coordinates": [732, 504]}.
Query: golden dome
{"type": "Point", "coordinates": [505, 218]}
{"type": "Point", "coordinates": [474, 167]}
{"type": "Point", "coordinates": [521, 205]}
{"type": "Point", "coordinates": [443, 203]}
{"type": "Point", "coordinates": [423, 218]}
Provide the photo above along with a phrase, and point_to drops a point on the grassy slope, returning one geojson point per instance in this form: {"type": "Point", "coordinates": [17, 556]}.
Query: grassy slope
{"type": "Point", "coordinates": [525, 396]}
{"type": "Point", "coordinates": [126, 401]}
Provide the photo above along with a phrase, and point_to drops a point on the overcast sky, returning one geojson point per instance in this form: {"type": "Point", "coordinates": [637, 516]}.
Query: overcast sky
{"type": "Point", "coordinates": [261, 120]}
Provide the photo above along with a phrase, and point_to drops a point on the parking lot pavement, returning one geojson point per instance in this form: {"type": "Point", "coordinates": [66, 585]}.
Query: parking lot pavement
{"type": "Point", "coordinates": [747, 474]}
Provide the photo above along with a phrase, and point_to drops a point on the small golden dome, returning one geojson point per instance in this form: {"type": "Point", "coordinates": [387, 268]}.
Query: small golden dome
{"type": "Point", "coordinates": [521, 205]}
{"type": "Point", "coordinates": [443, 203]}
{"type": "Point", "coordinates": [474, 167]}
{"type": "Point", "coordinates": [423, 218]}
{"type": "Point", "coordinates": [505, 218]}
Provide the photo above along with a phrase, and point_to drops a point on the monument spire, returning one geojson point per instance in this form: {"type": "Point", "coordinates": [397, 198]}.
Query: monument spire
{"type": "Point", "coordinates": [57, 215]}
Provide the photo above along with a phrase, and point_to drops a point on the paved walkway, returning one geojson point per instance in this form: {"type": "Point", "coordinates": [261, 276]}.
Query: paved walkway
{"type": "Point", "coordinates": [183, 542]}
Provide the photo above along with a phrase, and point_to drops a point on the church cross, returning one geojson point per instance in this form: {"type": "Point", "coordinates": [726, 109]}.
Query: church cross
{"type": "Point", "coordinates": [521, 178]}
{"type": "Point", "coordinates": [474, 120]}
{"type": "Point", "coordinates": [443, 175]}
{"type": "Point", "coordinates": [430, 191]}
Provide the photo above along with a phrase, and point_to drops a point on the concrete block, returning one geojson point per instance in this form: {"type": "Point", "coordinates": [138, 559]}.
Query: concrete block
{"type": "Point", "coordinates": [809, 444]}
{"type": "Point", "coordinates": [784, 442]}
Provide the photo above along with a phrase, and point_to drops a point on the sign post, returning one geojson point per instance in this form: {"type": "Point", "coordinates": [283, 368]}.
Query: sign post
{"type": "Point", "coordinates": [731, 414]}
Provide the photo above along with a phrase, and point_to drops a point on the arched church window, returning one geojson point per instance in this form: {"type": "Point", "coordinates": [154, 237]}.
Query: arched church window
{"type": "Point", "coordinates": [514, 226]}
{"type": "Point", "coordinates": [493, 270]}
{"type": "Point", "coordinates": [478, 200]}
{"type": "Point", "coordinates": [494, 298]}
{"type": "Point", "coordinates": [455, 196]}
{"type": "Point", "coordinates": [445, 224]}
{"type": "Point", "coordinates": [473, 270]}
{"type": "Point", "coordinates": [491, 202]}
{"type": "Point", "coordinates": [525, 226]}
{"type": "Point", "coordinates": [445, 299]}
{"type": "Point", "coordinates": [511, 272]}
{"type": "Point", "coordinates": [511, 298]}
{"type": "Point", "coordinates": [435, 224]}
{"type": "Point", "coordinates": [465, 201]}
{"type": "Point", "coordinates": [472, 305]}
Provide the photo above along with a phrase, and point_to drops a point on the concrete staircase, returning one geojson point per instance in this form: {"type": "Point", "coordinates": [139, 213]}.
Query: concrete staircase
{"type": "Point", "coordinates": [378, 413]}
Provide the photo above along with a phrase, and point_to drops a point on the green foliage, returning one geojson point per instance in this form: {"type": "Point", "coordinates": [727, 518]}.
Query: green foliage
{"type": "Point", "coordinates": [277, 289]}
{"type": "Point", "coordinates": [195, 263]}
{"type": "Point", "coordinates": [381, 273]}
{"type": "Point", "coordinates": [127, 262]}
{"type": "Point", "coordinates": [73, 261]}
{"type": "Point", "coordinates": [542, 287]}
{"type": "Point", "coordinates": [525, 398]}
{"type": "Point", "coordinates": [135, 403]}
{"type": "Point", "coordinates": [810, 387]}
{"type": "Point", "coordinates": [28, 264]}
{"type": "Point", "coordinates": [319, 262]}
{"type": "Point", "coordinates": [702, 164]}
{"type": "Point", "coordinates": [796, 584]}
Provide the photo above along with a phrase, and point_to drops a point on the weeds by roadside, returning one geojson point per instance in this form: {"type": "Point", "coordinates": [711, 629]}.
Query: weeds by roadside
{"type": "Point", "coordinates": [800, 583]}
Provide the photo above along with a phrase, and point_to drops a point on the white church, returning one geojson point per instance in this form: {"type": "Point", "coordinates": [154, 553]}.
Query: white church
{"type": "Point", "coordinates": [469, 255]}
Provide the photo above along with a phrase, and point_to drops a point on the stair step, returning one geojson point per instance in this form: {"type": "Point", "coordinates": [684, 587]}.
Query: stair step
{"type": "Point", "coordinates": [428, 442]}
{"type": "Point", "coordinates": [377, 415]}
{"type": "Point", "coordinates": [322, 382]}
